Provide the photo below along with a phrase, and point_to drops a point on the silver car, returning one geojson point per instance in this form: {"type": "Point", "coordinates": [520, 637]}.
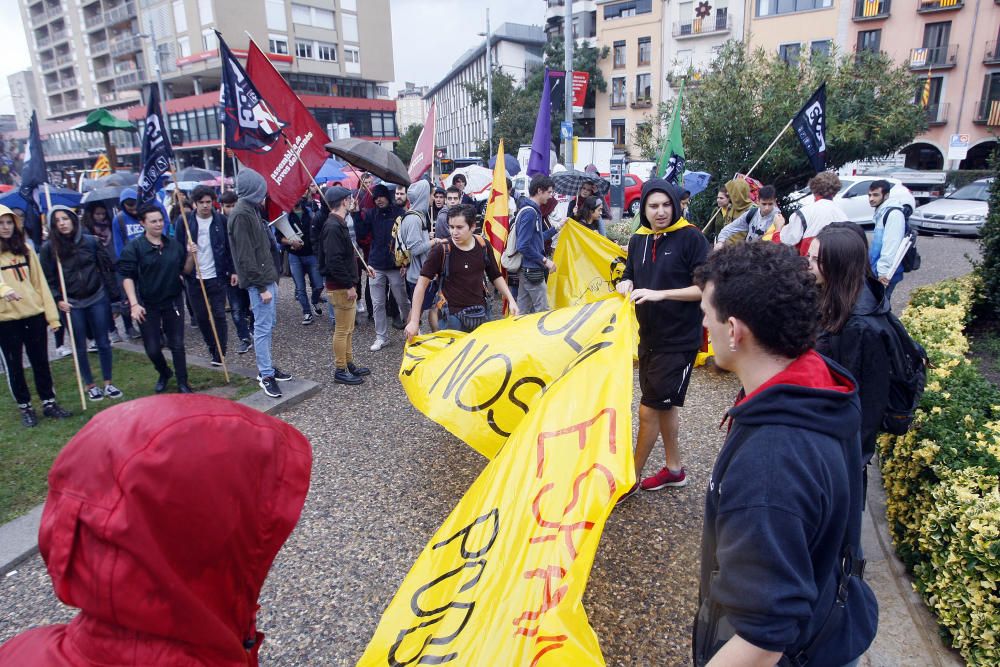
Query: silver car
{"type": "Point", "coordinates": [961, 213]}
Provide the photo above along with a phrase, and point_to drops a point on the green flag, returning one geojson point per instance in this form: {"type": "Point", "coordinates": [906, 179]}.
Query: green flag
{"type": "Point", "coordinates": [671, 164]}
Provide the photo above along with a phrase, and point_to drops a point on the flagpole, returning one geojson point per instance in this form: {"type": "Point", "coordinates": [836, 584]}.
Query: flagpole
{"type": "Point", "coordinates": [65, 298]}
{"type": "Point", "coordinates": [222, 157]}
{"type": "Point", "coordinates": [201, 280]}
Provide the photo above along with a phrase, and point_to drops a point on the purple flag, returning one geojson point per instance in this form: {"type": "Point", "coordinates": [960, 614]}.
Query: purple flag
{"type": "Point", "coordinates": [541, 142]}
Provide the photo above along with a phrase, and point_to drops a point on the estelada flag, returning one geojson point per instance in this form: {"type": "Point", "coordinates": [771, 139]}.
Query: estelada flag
{"type": "Point", "coordinates": [423, 153]}
{"type": "Point", "coordinates": [282, 167]}
{"type": "Point", "coordinates": [497, 221]}
{"type": "Point", "coordinates": [102, 167]}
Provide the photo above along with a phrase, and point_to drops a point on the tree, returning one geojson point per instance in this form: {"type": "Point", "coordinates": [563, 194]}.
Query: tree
{"type": "Point", "coordinates": [988, 267]}
{"type": "Point", "coordinates": [734, 110]}
{"type": "Point", "coordinates": [408, 142]}
{"type": "Point", "coordinates": [516, 107]}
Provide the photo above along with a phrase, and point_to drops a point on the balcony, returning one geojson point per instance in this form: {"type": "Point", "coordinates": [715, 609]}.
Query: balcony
{"type": "Point", "coordinates": [125, 45]}
{"type": "Point", "coordinates": [930, 6]}
{"type": "Point", "coordinates": [64, 59]}
{"type": "Point", "coordinates": [108, 98]}
{"type": "Point", "coordinates": [710, 25]}
{"type": "Point", "coordinates": [48, 65]}
{"type": "Point", "coordinates": [937, 57]}
{"type": "Point", "coordinates": [102, 73]}
{"type": "Point", "coordinates": [640, 101]}
{"type": "Point", "coordinates": [871, 10]}
{"type": "Point", "coordinates": [38, 19]}
{"type": "Point", "coordinates": [59, 35]}
{"type": "Point", "coordinates": [120, 14]}
{"type": "Point", "coordinates": [992, 55]}
{"type": "Point", "coordinates": [57, 108]}
{"type": "Point", "coordinates": [98, 47]}
{"type": "Point", "coordinates": [43, 42]}
{"type": "Point", "coordinates": [987, 113]}
{"type": "Point", "coordinates": [130, 78]}
{"type": "Point", "coordinates": [937, 114]}
{"type": "Point", "coordinates": [93, 21]}
{"type": "Point", "coordinates": [63, 84]}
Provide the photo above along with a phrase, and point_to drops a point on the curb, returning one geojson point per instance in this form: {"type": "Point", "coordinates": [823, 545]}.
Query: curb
{"type": "Point", "coordinates": [19, 538]}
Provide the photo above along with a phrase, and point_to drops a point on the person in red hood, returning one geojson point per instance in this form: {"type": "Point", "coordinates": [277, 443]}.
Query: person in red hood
{"type": "Point", "coordinates": [163, 517]}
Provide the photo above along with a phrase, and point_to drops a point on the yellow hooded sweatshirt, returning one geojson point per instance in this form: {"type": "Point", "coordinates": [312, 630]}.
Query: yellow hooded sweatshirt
{"type": "Point", "coordinates": [23, 275]}
{"type": "Point", "coordinates": [739, 198]}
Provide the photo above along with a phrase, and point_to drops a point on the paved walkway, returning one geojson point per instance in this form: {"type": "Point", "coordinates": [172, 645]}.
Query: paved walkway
{"type": "Point", "coordinates": [385, 477]}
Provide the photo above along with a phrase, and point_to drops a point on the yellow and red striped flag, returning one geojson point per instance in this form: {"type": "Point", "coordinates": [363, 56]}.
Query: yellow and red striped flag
{"type": "Point", "coordinates": [102, 167]}
{"type": "Point", "coordinates": [497, 210]}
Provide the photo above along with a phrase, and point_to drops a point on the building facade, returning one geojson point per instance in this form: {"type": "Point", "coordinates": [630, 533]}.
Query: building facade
{"type": "Point", "coordinates": [24, 95]}
{"type": "Point", "coordinates": [634, 69]}
{"type": "Point", "coordinates": [694, 32]}
{"type": "Point", "coordinates": [411, 108]}
{"type": "Point", "coordinates": [584, 20]}
{"type": "Point", "coordinates": [460, 125]}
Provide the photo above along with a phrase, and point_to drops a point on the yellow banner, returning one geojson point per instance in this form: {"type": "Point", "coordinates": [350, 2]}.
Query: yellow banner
{"type": "Point", "coordinates": [480, 385]}
{"type": "Point", "coordinates": [502, 580]}
{"type": "Point", "coordinates": [588, 266]}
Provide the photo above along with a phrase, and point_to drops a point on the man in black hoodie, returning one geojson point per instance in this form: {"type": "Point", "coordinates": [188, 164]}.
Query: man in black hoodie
{"type": "Point", "coordinates": [780, 555]}
{"type": "Point", "coordinates": [659, 277]}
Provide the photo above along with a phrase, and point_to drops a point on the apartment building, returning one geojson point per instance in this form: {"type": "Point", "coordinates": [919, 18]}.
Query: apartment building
{"type": "Point", "coordinates": [24, 96]}
{"type": "Point", "coordinates": [795, 29]}
{"type": "Point", "coordinates": [634, 70]}
{"type": "Point", "coordinates": [459, 125]}
{"type": "Point", "coordinates": [411, 108]}
{"type": "Point", "coordinates": [336, 54]}
{"type": "Point", "coordinates": [584, 20]}
{"type": "Point", "coordinates": [694, 32]}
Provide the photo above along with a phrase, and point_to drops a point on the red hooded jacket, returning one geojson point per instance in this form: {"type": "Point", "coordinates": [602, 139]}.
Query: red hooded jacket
{"type": "Point", "coordinates": [163, 517]}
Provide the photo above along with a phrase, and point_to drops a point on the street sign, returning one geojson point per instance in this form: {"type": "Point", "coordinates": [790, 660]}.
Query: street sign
{"type": "Point", "coordinates": [958, 147]}
{"type": "Point", "coordinates": [565, 130]}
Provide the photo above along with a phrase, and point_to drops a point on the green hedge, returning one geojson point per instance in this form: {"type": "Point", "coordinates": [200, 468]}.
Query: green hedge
{"type": "Point", "coordinates": [941, 479]}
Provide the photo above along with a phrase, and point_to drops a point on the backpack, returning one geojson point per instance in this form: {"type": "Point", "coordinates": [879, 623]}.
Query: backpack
{"type": "Point", "coordinates": [510, 259]}
{"type": "Point", "coordinates": [400, 253]}
{"type": "Point", "coordinates": [907, 373]}
{"type": "Point", "coordinates": [911, 260]}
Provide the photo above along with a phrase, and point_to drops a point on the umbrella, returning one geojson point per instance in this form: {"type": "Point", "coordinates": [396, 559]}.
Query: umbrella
{"type": "Point", "coordinates": [186, 186]}
{"type": "Point", "coordinates": [118, 179]}
{"type": "Point", "coordinates": [568, 182]}
{"type": "Point", "coordinates": [478, 180]}
{"type": "Point", "coordinates": [696, 181]}
{"type": "Point", "coordinates": [510, 163]}
{"type": "Point", "coordinates": [101, 194]}
{"type": "Point", "coordinates": [371, 157]}
{"type": "Point", "coordinates": [196, 174]}
{"type": "Point", "coordinates": [331, 171]}
{"type": "Point", "coordinates": [60, 196]}
{"type": "Point", "coordinates": [103, 121]}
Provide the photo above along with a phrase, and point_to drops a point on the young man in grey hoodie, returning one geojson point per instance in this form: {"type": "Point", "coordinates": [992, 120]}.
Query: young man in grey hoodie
{"type": "Point", "coordinates": [253, 246]}
{"type": "Point", "coordinates": [413, 232]}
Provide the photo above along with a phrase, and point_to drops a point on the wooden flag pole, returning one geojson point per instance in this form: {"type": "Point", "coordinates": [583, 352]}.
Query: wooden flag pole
{"type": "Point", "coordinates": [69, 317]}
{"type": "Point", "coordinates": [201, 280]}
{"type": "Point", "coordinates": [222, 157]}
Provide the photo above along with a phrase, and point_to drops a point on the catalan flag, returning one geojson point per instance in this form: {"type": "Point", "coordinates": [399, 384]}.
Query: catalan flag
{"type": "Point", "coordinates": [497, 211]}
{"type": "Point", "coordinates": [102, 167]}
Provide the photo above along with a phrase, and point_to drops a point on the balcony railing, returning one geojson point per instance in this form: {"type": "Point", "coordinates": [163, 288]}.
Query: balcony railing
{"type": "Point", "coordinates": [933, 57]}
{"type": "Point", "coordinates": [55, 12]}
{"type": "Point", "coordinates": [129, 79]}
{"type": "Point", "coordinates": [101, 73]}
{"type": "Point", "coordinates": [98, 47]}
{"type": "Point", "coordinates": [992, 55]}
{"type": "Point", "coordinates": [870, 10]}
{"type": "Point", "coordinates": [64, 59]}
{"type": "Point", "coordinates": [703, 26]}
{"type": "Point", "coordinates": [640, 101]}
{"type": "Point", "coordinates": [125, 45]}
{"type": "Point", "coordinates": [924, 6]}
{"type": "Point", "coordinates": [43, 42]}
{"type": "Point", "coordinates": [48, 65]}
{"type": "Point", "coordinates": [119, 14]}
{"type": "Point", "coordinates": [39, 18]}
{"type": "Point", "coordinates": [94, 21]}
{"type": "Point", "coordinates": [937, 114]}
{"type": "Point", "coordinates": [107, 98]}
{"type": "Point", "coordinates": [63, 84]}
{"type": "Point", "coordinates": [987, 113]}
{"type": "Point", "coordinates": [59, 35]}
{"type": "Point", "coordinates": [57, 108]}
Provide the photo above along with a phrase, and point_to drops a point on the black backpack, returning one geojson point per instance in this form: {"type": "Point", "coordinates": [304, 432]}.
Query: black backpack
{"type": "Point", "coordinates": [907, 373]}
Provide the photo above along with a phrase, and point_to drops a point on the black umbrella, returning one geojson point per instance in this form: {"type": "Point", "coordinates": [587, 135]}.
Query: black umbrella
{"type": "Point", "coordinates": [568, 182]}
{"type": "Point", "coordinates": [371, 157]}
{"type": "Point", "coordinates": [108, 192]}
{"type": "Point", "coordinates": [196, 174]}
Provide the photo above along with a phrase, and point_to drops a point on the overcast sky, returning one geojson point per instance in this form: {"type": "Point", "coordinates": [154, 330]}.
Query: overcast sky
{"type": "Point", "coordinates": [428, 36]}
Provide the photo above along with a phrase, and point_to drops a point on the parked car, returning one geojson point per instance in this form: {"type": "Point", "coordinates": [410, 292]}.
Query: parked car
{"type": "Point", "coordinates": [961, 213]}
{"type": "Point", "coordinates": [633, 193]}
{"type": "Point", "coordinates": [853, 198]}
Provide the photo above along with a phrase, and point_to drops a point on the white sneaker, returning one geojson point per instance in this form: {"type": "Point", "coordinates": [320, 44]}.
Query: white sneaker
{"type": "Point", "coordinates": [63, 351]}
{"type": "Point", "coordinates": [361, 308]}
{"type": "Point", "coordinates": [379, 344]}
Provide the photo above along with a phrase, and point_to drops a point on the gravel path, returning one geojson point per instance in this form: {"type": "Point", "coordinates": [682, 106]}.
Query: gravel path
{"type": "Point", "coordinates": [385, 477]}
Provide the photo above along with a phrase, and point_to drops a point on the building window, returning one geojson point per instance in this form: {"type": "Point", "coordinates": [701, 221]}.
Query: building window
{"type": "Point", "coordinates": [618, 133]}
{"type": "Point", "coordinates": [205, 14]}
{"type": "Point", "coordinates": [789, 54]}
{"type": "Point", "coordinates": [618, 92]}
{"type": "Point", "coordinates": [643, 86]}
{"type": "Point", "coordinates": [327, 52]}
{"type": "Point", "coordinates": [773, 7]}
{"type": "Point", "coordinates": [183, 47]}
{"type": "Point", "coordinates": [350, 5]}
{"type": "Point", "coordinates": [820, 49]}
{"type": "Point", "coordinates": [274, 10]}
{"type": "Point", "coordinates": [351, 55]}
{"type": "Point", "coordinates": [303, 49]}
{"type": "Point", "coordinates": [209, 42]}
{"type": "Point", "coordinates": [180, 16]}
{"type": "Point", "coordinates": [278, 44]}
{"type": "Point", "coordinates": [314, 16]}
{"type": "Point", "coordinates": [619, 55]}
{"type": "Point", "coordinates": [870, 41]}
{"type": "Point", "coordinates": [645, 50]}
{"type": "Point", "coordinates": [349, 23]}
{"type": "Point", "coordinates": [620, 10]}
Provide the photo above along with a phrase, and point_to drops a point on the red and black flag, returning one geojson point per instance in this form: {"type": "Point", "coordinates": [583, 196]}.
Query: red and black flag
{"type": "Point", "coordinates": [249, 122]}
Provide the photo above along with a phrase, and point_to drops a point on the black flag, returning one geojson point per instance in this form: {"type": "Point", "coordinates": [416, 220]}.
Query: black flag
{"type": "Point", "coordinates": [810, 127]}
{"type": "Point", "coordinates": [156, 151]}
{"type": "Point", "coordinates": [34, 172]}
{"type": "Point", "coordinates": [250, 124]}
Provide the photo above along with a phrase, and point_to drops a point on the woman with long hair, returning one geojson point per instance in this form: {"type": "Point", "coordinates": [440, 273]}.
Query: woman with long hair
{"type": "Point", "coordinates": [26, 310]}
{"type": "Point", "coordinates": [90, 286]}
{"type": "Point", "coordinates": [589, 214]}
{"type": "Point", "coordinates": [850, 300]}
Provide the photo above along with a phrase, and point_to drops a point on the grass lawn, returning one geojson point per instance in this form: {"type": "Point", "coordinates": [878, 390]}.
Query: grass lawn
{"type": "Point", "coordinates": [27, 453]}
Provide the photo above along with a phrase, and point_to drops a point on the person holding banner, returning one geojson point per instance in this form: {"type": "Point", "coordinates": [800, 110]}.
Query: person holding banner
{"type": "Point", "coordinates": [590, 214]}
{"type": "Point", "coordinates": [781, 561]}
{"type": "Point", "coordinates": [26, 307]}
{"type": "Point", "coordinates": [659, 277]}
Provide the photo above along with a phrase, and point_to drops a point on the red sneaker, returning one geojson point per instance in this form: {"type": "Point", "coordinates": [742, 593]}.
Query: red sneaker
{"type": "Point", "coordinates": [628, 494]}
{"type": "Point", "coordinates": [663, 479]}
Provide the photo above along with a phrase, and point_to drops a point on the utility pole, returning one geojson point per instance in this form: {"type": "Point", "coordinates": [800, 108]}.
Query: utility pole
{"type": "Point", "coordinates": [489, 84]}
{"type": "Point", "coordinates": [568, 46]}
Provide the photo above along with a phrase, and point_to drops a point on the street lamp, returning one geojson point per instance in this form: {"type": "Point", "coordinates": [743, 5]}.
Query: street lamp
{"type": "Point", "coordinates": [489, 82]}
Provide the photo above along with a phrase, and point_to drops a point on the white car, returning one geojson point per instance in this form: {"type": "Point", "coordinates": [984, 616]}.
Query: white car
{"type": "Point", "coordinates": [963, 212]}
{"type": "Point", "coordinates": [853, 198]}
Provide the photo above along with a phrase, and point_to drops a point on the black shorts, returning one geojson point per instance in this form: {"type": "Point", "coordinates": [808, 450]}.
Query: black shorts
{"type": "Point", "coordinates": [664, 377]}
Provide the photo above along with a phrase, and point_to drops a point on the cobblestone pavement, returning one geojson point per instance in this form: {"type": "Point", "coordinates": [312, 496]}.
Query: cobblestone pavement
{"type": "Point", "coordinates": [385, 477]}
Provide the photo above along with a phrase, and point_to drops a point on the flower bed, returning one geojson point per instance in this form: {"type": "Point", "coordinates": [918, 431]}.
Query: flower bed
{"type": "Point", "coordinates": [941, 479]}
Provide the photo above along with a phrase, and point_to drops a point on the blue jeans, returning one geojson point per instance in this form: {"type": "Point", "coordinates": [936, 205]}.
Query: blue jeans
{"type": "Point", "coordinates": [299, 266]}
{"type": "Point", "coordinates": [265, 316]}
{"type": "Point", "coordinates": [93, 318]}
{"type": "Point", "coordinates": [239, 309]}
